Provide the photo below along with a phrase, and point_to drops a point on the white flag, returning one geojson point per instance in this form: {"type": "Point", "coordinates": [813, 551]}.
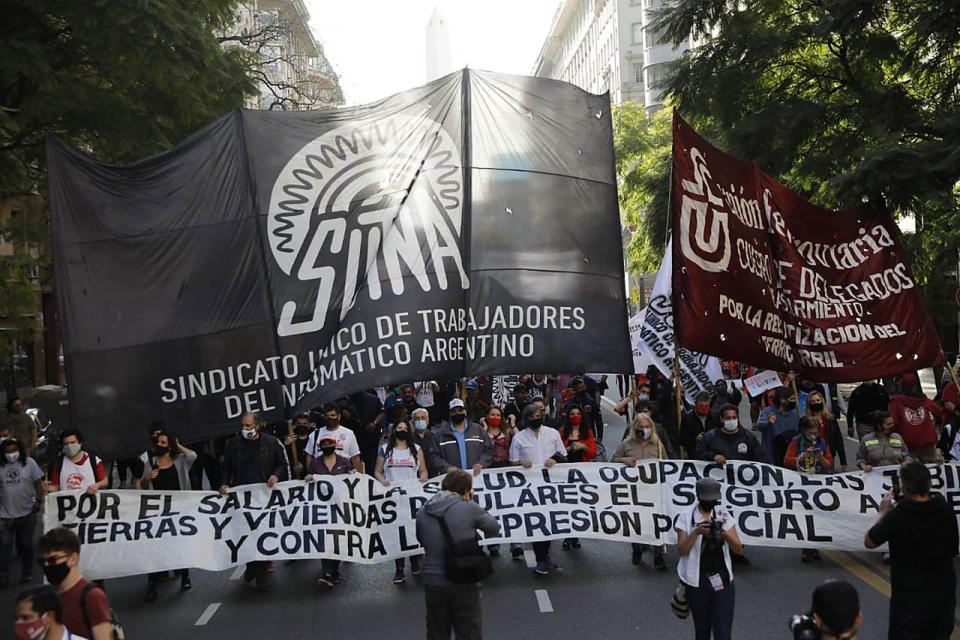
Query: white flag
{"type": "Point", "coordinates": [655, 342]}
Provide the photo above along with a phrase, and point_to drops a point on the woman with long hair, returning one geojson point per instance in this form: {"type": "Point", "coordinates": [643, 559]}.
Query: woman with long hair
{"type": "Point", "coordinates": [829, 427]}
{"type": "Point", "coordinates": [501, 432]}
{"type": "Point", "coordinates": [401, 459]}
{"type": "Point", "coordinates": [168, 470]}
{"type": "Point", "coordinates": [581, 446]}
{"type": "Point", "coordinates": [21, 490]}
{"type": "Point", "coordinates": [642, 443]}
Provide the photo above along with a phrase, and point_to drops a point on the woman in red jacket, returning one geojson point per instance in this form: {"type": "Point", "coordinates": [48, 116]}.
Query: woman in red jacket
{"type": "Point", "coordinates": [581, 446]}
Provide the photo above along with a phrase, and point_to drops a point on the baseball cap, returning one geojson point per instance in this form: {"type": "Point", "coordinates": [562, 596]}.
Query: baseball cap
{"type": "Point", "coordinates": [328, 439]}
{"type": "Point", "coordinates": [456, 402]}
{"type": "Point", "coordinates": [708, 489]}
{"type": "Point", "coordinates": [472, 384]}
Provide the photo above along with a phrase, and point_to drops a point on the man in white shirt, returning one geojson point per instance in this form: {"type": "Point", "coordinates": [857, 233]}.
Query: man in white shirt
{"type": "Point", "coordinates": [540, 445]}
{"type": "Point", "coordinates": [347, 446]}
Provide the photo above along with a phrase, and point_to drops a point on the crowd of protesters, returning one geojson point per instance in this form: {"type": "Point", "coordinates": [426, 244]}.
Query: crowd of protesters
{"type": "Point", "coordinates": [431, 428]}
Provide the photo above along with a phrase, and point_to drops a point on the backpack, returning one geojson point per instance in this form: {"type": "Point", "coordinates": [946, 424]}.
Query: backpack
{"type": "Point", "coordinates": [464, 562]}
{"type": "Point", "coordinates": [117, 631]}
{"type": "Point", "coordinates": [91, 460]}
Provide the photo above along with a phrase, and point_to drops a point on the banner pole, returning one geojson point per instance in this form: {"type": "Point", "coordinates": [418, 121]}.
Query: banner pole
{"type": "Point", "coordinates": [677, 385]}
{"type": "Point", "coordinates": [293, 445]}
{"type": "Point", "coordinates": [953, 374]}
{"type": "Point", "coordinates": [793, 383]}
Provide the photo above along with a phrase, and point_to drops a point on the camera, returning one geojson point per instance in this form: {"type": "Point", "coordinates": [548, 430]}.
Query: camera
{"type": "Point", "coordinates": [714, 536]}
{"type": "Point", "coordinates": [803, 627]}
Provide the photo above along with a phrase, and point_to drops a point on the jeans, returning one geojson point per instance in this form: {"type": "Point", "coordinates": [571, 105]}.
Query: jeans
{"type": "Point", "coordinates": [19, 531]}
{"type": "Point", "coordinates": [712, 610]}
{"type": "Point", "coordinates": [456, 608]}
{"type": "Point", "coordinates": [541, 550]}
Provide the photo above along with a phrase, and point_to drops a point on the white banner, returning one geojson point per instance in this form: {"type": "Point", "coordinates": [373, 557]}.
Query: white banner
{"type": "Point", "coordinates": [656, 343]}
{"type": "Point", "coordinates": [761, 382]}
{"type": "Point", "coordinates": [354, 518]}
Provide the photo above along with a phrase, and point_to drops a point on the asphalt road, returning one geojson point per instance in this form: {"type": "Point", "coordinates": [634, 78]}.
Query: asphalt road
{"type": "Point", "coordinates": [599, 593]}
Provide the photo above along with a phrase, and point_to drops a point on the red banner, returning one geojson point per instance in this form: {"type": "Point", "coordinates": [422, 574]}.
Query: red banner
{"type": "Point", "coordinates": [764, 277]}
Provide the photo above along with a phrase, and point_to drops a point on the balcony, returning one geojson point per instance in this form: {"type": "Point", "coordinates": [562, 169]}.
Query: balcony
{"type": "Point", "coordinates": [663, 53]}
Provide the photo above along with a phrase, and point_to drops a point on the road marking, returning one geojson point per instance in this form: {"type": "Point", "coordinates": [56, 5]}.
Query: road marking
{"type": "Point", "coordinates": [543, 601]}
{"type": "Point", "coordinates": [207, 614]}
{"type": "Point", "coordinates": [238, 572]}
{"type": "Point", "coordinates": [529, 558]}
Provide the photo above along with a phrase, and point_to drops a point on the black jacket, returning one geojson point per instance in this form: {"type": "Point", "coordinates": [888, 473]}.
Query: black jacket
{"type": "Point", "coordinates": [693, 425]}
{"type": "Point", "coordinates": [273, 459]}
{"type": "Point", "coordinates": [741, 445]}
{"type": "Point", "coordinates": [865, 399]}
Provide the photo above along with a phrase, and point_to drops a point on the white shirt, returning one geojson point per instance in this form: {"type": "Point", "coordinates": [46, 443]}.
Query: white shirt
{"type": "Point", "coordinates": [66, 635]}
{"type": "Point", "coordinates": [401, 464]}
{"type": "Point", "coordinates": [688, 568]}
{"type": "Point", "coordinates": [425, 394]}
{"type": "Point", "coordinates": [346, 442]}
{"type": "Point", "coordinates": [75, 476]}
{"type": "Point", "coordinates": [529, 445]}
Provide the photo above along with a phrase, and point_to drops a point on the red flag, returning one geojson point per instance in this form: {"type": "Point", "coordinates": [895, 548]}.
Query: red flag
{"type": "Point", "coordinates": [763, 276]}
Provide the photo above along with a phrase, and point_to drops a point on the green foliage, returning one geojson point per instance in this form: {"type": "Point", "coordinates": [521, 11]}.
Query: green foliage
{"type": "Point", "coordinates": [120, 79]}
{"type": "Point", "coordinates": [846, 102]}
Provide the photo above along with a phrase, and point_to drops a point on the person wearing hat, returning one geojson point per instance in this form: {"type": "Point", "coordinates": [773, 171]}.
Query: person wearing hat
{"type": "Point", "coordinates": [706, 534]}
{"type": "Point", "coordinates": [328, 463]}
{"type": "Point", "coordinates": [475, 405]}
{"type": "Point", "coordinates": [463, 444]}
{"type": "Point", "coordinates": [915, 418]}
{"type": "Point", "coordinates": [21, 490]}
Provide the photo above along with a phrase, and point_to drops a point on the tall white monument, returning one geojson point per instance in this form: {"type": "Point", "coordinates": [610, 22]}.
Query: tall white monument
{"type": "Point", "coordinates": [438, 46]}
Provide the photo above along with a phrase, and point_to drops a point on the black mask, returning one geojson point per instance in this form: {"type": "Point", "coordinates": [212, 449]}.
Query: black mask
{"type": "Point", "coordinates": [458, 418]}
{"type": "Point", "coordinates": [159, 451]}
{"type": "Point", "coordinates": [328, 450]}
{"type": "Point", "coordinates": [816, 406]}
{"type": "Point", "coordinates": [708, 505]}
{"type": "Point", "coordinates": [56, 573]}
{"type": "Point", "coordinates": [303, 430]}
{"type": "Point", "coordinates": [581, 393]}
{"type": "Point", "coordinates": [789, 404]}
{"type": "Point", "coordinates": [332, 422]}
{"type": "Point", "coordinates": [534, 423]}
{"type": "Point", "coordinates": [402, 435]}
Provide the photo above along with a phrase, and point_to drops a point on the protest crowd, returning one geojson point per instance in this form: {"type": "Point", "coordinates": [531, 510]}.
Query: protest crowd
{"type": "Point", "coordinates": [456, 429]}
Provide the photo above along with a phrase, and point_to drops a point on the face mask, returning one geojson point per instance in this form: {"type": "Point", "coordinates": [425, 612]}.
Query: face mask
{"type": "Point", "coordinates": [494, 421]}
{"type": "Point", "coordinates": [790, 404]}
{"type": "Point", "coordinates": [534, 423]}
{"type": "Point", "coordinates": [458, 418]}
{"type": "Point", "coordinates": [33, 630]}
{"type": "Point", "coordinates": [328, 450]}
{"type": "Point", "coordinates": [576, 420]}
{"type": "Point", "coordinates": [249, 434]}
{"type": "Point", "coordinates": [643, 397]}
{"type": "Point", "coordinates": [730, 425]}
{"type": "Point", "coordinates": [420, 425]}
{"type": "Point", "coordinates": [816, 406]}
{"type": "Point", "coordinates": [71, 450]}
{"type": "Point", "coordinates": [703, 409]}
{"type": "Point", "coordinates": [402, 435]}
{"type": "Point", "coordinates": [159, 451]}
{"type": "Point", "coordinates": [812, 437]}
{"type": "Point", "coordinates": [708, 505]}
{"type": "Point", "coordinates": [56, 573]}
{"type": "Point", "coordinates": [643, 434]}
{"type": "Point", "coordinates": [12, 457]}
{"type": "Point", "coordinates": [331, 423]}
{"type": "Point", "coordinates": [303, 430]}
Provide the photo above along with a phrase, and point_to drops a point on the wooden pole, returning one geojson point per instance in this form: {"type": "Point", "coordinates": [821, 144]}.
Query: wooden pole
{"type": "Point", "coordinates": [677, 385]}
{"type": "Point", "coordinates": [953, 374]}
{"type": "Point", "coordinates": [293, 445]}
{"type": "Point", "coordinates": [793, 383]}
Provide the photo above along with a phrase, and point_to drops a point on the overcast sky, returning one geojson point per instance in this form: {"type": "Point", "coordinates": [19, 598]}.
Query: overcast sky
{"type": "Point", "coordinates": [378, 46]}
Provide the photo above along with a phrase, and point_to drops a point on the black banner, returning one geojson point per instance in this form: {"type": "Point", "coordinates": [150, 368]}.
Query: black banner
{"type": "Point", "coordinates": [276, 260]}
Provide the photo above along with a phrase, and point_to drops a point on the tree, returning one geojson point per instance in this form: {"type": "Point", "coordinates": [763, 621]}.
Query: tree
{"type": "Point", "coordinates": [120, 79]}
{"type": "Point", "coordinates": [847, 102]}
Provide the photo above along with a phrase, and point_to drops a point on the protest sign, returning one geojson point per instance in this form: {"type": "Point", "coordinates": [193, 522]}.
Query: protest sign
{"type": "Point", "coordinates": [276, 260]}
{"type": "Point", "coordinates": [354, 518]}
{"type": "Point", "coordinates": [772, 280]}
{"type": "Point", "coordinates": [761, 382]}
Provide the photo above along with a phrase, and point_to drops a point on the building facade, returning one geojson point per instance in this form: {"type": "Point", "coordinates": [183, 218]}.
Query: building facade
{"type": "Point", "coordinates": [610, 45]}
{"type": "Point", "coordinates": [293, 72]}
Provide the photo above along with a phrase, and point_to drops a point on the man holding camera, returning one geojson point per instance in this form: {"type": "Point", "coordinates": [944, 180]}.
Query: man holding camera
{"type": "Point", "coordinates": [922, 531]}
{"type": "Point", "coordinates": [706, 534]}
{"type": "Point", "coordinates": [834, 615]}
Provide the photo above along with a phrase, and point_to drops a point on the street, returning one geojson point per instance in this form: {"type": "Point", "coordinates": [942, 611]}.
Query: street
{"type": "Point", "coordinates": [599, 592]}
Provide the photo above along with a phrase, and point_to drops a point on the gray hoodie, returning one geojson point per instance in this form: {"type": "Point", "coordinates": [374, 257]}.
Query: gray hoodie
{"type": "Point", "coordinates": [463, 518]}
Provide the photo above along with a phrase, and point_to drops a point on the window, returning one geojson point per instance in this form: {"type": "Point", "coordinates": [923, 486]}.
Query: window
{"type": "Point", "coordinates": [637, 32]}
{"type": "Point", "coordinates": [656, 38]}
{"type": "Point", "coordinates": [638, 73]}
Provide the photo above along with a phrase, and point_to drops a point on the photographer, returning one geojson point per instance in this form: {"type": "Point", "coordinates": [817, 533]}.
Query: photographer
{"type": "Point", "coordinates": [834, 614]}
{"type": "Point", "coordinates": [922, 531]}
{"type": "Point", "coordinates": [706, 535]}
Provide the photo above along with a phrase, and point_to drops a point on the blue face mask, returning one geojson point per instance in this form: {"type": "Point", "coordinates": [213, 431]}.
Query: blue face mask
{"type": "Point", "coordinates": [420, 425]}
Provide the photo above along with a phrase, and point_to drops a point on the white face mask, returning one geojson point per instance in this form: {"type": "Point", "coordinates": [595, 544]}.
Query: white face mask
{"type": "Point", "coordinates": [71, 450]}
{"type": "Point", "coordinates": [730, 425]}
{"type": "Point", "coordinates": [644, 433]}
{"type": "Point", "coordinates": [249, 434]}
{"type": "Point", "coordinates": [12, 457]}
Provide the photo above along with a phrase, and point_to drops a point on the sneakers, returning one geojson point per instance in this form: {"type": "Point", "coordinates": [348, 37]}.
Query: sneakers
{"type": "Point", "coordinates": [575, 543]}
{"type": "Point", "coordinates": [494, 551]}
{"type": "Point", "coordinates": [326, 581]}
{"type": "Point", "coordinates": [415, 567]}
{"type": "Point", "coordinates": [541, 569]}
{"type": "Point", "coordinates": [399, 577]}
{"type": "Point", "coordinates": [553, 566]}
{"type": "Point", "coordinates": [659, 562]}
{"type": "Point", "coordinates": [516, 553]}
{"type": "Point", "coordinates": [567, 545]}
{"type": "Point", "coordinates": [185, 584]}
{"type": "Point", "coordinates": [809, 555]}
{"type": "Point", "coordinates": [337, 578]}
